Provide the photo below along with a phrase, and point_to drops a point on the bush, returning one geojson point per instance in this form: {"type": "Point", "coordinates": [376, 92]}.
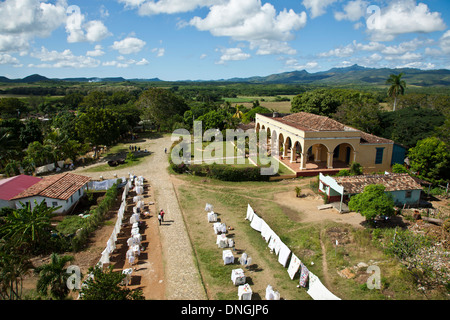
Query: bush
{"type": "Point", "coordinates": [96, 217]}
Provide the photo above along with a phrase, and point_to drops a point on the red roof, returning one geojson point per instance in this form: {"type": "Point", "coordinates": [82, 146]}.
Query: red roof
{"type": "Point", "coordinates": [11, 187]}
{"type": "Point", "coordinates": [60, 186]}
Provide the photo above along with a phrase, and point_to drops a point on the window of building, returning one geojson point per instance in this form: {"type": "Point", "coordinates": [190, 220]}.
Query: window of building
{"type": "Point", "coordinates": [379, 156]}
{"type": "Point", "coordinates": [408, 193]}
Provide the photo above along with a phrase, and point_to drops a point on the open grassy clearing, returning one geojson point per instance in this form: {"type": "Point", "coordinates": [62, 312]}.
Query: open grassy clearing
{"type": "Point", "coordinates": [218, 152]}
{"type": "Point", "coordinates": [311, 242]}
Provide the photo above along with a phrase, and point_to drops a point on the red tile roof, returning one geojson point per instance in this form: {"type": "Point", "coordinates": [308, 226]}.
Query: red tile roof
{"type": "Point", "coordinates": [60, 186]}
{"type": "Point", "coordinates": [312, 122]}
{"type": "Point", "coordinates": [11, 187]}
{"type": "Point", "coordinates": [392, 182]}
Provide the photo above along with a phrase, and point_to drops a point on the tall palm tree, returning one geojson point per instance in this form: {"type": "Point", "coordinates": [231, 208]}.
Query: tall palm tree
{"type": "Point", "coordinates": [397, 87]}
{"type": "Point", "coordinates": [54, 275]}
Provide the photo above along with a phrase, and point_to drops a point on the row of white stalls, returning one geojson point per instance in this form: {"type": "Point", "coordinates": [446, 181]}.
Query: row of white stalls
{"type": "Point", "coordinates": [307, 279]}
{"type": "Point", "coordinates": [134, 241]}
{"type": "Point", "coordinates": [237, 275]}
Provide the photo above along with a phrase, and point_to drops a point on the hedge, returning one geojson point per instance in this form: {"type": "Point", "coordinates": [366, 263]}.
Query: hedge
{"type": "Point", "coordinates": [96, 217]}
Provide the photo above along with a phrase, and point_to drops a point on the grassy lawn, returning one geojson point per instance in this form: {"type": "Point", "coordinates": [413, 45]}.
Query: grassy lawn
{"type": "Point", "coordinates": [217, 152]}
{"type": "Point", "coordinates": [304, 239]}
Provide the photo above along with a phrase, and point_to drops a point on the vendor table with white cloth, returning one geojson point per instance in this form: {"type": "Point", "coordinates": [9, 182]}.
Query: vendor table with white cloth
{"type": "Point", "coordinates": [238, 277]}
{"type": "Point", "coordinates": [212, 217]}
{"type": "Point", "coordinates": [245, 292]}
{"type": "Point", "coordinates": [222, 241]}
{"type": "Point", "coordinates": [220, 228]}
{"type": "Point", "coordinates": [227, 257]}
{"type": "Point", "coordinates": [128, 273]}
{"type": "Point", "coordinates": [134, 231]}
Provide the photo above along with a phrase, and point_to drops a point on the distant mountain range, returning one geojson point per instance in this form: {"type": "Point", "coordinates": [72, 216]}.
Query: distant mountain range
{"type": "Point", "coordinates": [335, 76]}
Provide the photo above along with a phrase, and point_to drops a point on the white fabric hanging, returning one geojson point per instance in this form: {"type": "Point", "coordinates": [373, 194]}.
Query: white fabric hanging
{"type": "Point", "coordinates": [250, 213]}
{"type": "Point", "coordinates": [284, 253]}
{"type": "Point", "coordinates": [256, 222]}
{"type": "Point", "coordinates": [266, 231]}
{"type": "Point", "coordinates": [294, 266]}
{"type": "Point", "coordinates": [317, 290]}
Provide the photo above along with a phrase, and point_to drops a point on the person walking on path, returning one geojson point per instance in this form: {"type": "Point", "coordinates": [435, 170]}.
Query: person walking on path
{"type": "Point", "coordinates": [162, 213]}
{"type": "Point", "coordinates": [159, 218]}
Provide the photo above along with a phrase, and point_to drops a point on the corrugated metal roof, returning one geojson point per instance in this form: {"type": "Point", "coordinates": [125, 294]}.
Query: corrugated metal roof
{"type": "Point", "coordinates": [11, 187]}
{"type": "Point", "coordinates": [60, 186]}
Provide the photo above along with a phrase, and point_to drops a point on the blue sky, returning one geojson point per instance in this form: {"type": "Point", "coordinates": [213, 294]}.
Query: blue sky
{"type": "Point", "coordinates": [218, 39]}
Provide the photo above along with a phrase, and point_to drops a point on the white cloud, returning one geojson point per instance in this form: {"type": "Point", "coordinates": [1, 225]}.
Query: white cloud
{"type": "Point", "coordinates": [346, 51]}
{"type": "Point", "coordinates": [248, 20]}
{"type": "Point", "coordinates": [262, 26]}
{"type": "Point", "coordinates": [78, 31]}
{"type": "Point", "coordinates": [8, 59]}
{"type": "Point", "coordinates": [153, 7]}
{"type": "Point", "coordinates": [159, 52]}
{"type": "Point", "coordinates": [267, 47]}
{"type": "Point", "coordinates": [233, 54]}
{"type": "Point", "coordinates": [293, 64]}
{"type": "Point", "coordinates": [63, 59]}
{"type": "Point", "coordinates": [97, 52]}
{"type": "Point", "coordinates": [317, 7]}
{"type": "Point", "coordinates": [129, 45]}
{"type": "Point", "coordinates": [353, 11]}
{"type": "Point", "coordinates": [122, 62]}
{"type": "Point", "coordinates": [444, 42]}
{"type": "Point", "coordinates": [21, 21]}
{"type": "Point", "coordinates": [403, 16]}
{"type": "Point", "coordinates": [143, 62]}
{"type": "Point", "coordinates": [405, 56]}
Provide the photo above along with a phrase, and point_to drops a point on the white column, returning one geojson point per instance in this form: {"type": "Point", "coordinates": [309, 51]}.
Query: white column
{"type": "Point", "coordinates": [330, 160]}
{"type": "Point", "coordinates": [293, 152]}
{"type": "Point", "coordinates": [302, 161]}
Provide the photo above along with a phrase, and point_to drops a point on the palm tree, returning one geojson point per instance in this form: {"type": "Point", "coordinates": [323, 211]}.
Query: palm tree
{"type": "Point", "coordinates": [238, 114]}
{"type": "Point", "coordinates": [54, 275]}
{"type": "Point", "coordinates": [397, 87]}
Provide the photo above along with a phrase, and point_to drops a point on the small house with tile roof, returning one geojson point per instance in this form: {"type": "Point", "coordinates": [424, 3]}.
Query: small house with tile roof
{"type": "Point", "coordinates": [11, 187]}
{"type": "Point", "coordinates": [61, 190]}
{"type": "Point", "coordinates": [310, 144]}
{"type": "Point", "coordinates": [403, 188]}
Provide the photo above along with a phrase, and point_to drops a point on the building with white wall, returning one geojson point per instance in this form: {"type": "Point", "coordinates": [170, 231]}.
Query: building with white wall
{"type": "Point", "coordinates": [61, 190]}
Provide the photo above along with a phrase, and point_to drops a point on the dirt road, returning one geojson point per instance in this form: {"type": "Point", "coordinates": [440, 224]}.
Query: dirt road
{"type": "Point", "coordinates": [181, 276]}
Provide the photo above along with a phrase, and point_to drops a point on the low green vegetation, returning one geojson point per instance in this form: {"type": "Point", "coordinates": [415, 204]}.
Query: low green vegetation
{"type": "Point", "coordinates": [358, 247]}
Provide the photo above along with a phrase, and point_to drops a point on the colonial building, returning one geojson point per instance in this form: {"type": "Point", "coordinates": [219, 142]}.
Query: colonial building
{"type": "Point", "coordinates": [310, 144]}
{"type": "Point", "coordinates": [61, 190]}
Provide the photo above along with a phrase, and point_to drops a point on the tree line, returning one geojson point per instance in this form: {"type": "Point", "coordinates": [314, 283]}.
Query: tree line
{"type": "Point", "coordinates": [419, 122]}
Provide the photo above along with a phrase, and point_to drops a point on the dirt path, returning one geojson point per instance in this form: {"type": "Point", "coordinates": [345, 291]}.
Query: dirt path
{"type": "Point", "coordinates": [181, 276]}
